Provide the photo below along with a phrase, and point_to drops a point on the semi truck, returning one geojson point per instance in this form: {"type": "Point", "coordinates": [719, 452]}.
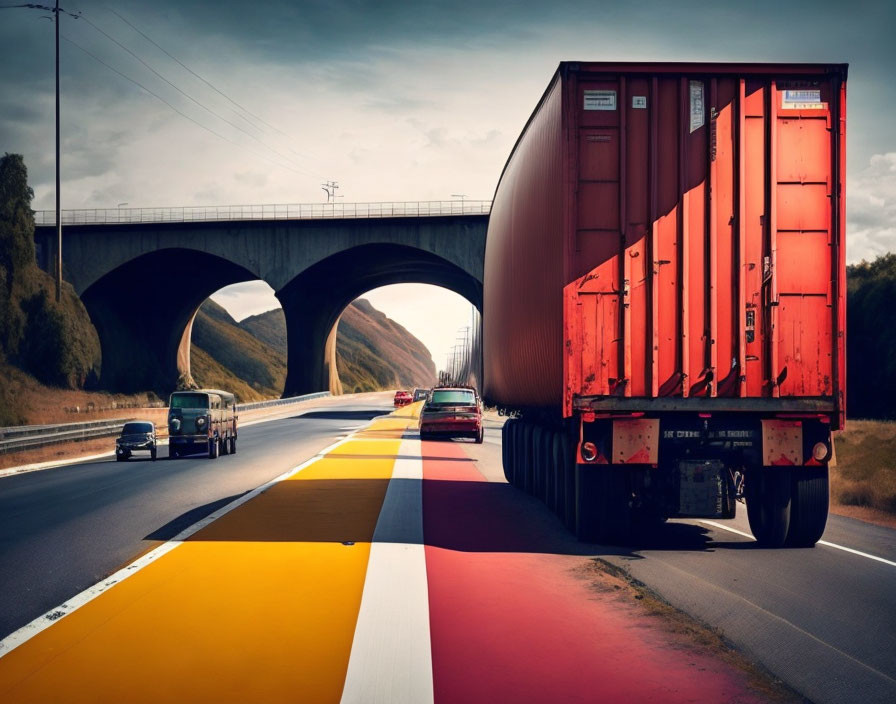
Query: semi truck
{"type": "Point", "coordinates": [664, 311]}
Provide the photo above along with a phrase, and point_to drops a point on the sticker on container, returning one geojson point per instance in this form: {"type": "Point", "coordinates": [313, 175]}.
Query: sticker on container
{"type": "Point", "coordinates": [801, 100]}
{"type": "Point", "coordinates": [697, 108]}
{"type": "Point", "coordinates": [600, 99]}
{"type": "Point", "coordinates": [639, 102]}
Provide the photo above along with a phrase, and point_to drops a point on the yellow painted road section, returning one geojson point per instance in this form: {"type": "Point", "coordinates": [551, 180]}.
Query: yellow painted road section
{"type": "Point", "coordinates": [259, 606]}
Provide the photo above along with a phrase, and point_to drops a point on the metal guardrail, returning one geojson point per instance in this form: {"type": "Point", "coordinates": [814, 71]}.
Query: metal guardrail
{"type": "Point", "coordinates": [280, 401]}
{"type": "Point", "coordinates": [292, 211]}
{"type": "Point", "coordinates": [28, 437]}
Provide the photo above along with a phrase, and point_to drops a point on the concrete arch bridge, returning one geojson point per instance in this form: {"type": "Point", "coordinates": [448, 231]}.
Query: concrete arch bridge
{"type": "Point", "coordinates": [142, 274]}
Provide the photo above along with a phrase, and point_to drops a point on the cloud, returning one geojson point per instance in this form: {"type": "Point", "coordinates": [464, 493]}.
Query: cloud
{"type": "Point", "coordinates": [871, 209]}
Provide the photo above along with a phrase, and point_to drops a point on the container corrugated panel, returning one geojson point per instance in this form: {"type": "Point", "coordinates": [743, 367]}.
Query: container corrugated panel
{"type": "Point", "coordinates": [523, 287]}
{"type": "Point", "coordinates": [700, 235]}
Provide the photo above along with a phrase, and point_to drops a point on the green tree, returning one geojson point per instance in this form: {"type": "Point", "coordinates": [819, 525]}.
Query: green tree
{"type": "Point", "coordinates": [56, 342]}
{"type": "Point", "coordinates": [871, 338]}
{"type": "Point", "coordinates": [16, 249]}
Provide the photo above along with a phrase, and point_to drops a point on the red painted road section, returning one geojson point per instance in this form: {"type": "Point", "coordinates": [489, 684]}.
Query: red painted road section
{"type": "Point", "coordinates": [510, 623]}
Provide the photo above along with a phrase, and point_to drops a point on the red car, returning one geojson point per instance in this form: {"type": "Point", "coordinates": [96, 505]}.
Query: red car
{"type": "Point", "coordinates": [452, 412]}
{"type": "Point", "coordinates": [402, 398]}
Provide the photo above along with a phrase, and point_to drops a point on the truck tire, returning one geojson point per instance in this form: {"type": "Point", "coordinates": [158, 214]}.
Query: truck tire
{"type": "Point", "coordinates": [525, 462]}
{"type": "Point", "coordinates": [225, 449]}
{"type": "Point", "coordinates": [152, 453]}
{"type": "Point", "coordinates": [213, 448]}
{"type": "Point", "coordinates": [233, 444]}
{"type": "Point", "coordinates": [569, 482]}
{"type": "Point", "coordinates": [558, 476]}
{"type": "Point", "coordinates": [603, 507]}
{"type": "Point", "coordinates": [809, 499]}
{"type": "Point", "coordinates": [537, 458]}
{"type": "Point", "coordinates": [768, 504]}
{"type": "Point", "coordinates": [507, 448]}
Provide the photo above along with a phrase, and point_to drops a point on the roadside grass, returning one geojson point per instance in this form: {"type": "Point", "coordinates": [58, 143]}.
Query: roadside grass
{"type": "Point", "coordinates": [25, 401]}
{"type": "Point", "coordinates": [865, 475]}
{"type": "Point", "coordinates": [684, 631]}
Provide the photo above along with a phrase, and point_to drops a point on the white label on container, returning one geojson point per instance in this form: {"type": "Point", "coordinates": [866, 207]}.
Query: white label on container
{"type": "Point", "coordinates": [697, 108]}
{"type": "Point", "coordinates": [600, 99]}
{"type": "Point", "coordinates": [639, 102]}
{"type": "Point", "coordinates": [801, 100]}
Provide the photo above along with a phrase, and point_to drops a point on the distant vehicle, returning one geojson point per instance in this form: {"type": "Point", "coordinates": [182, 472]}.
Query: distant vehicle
{"type": "Point", "coordinates": [402, 398]}
{"type": "Point", "coordinates": [421, 394]}
{"type": "Point", "coordinates": [202, 421]}
{"type": "Point", "coordinates": [136, 435]}
{"type": "Point", "coordinates": [452, 412]}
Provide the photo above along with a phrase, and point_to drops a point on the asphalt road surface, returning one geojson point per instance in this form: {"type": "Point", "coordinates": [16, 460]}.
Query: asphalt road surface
{"type": "Point", "coordinates": [396, 570]}
{"type": "Point", "coordinates": [64, 529]}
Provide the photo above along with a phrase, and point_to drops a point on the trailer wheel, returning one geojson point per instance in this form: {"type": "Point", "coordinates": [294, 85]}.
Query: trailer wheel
{"type": "Point", "coordinates": [507, 448]}
{"type": "Point", "coordinates": [558, 476]}
{"type": "Point", "coordinates": [768, 504]}
{"type": "Point", "coordinates": [603, 505]}
{"type": "Point", "coordinates": [809, 498]}
{"type": "Point", "coordinates": [569, 482]}
{"type": "Point", "coordinates": [524, 443]}
{"type": "Point", "coordinates": [540, 439]}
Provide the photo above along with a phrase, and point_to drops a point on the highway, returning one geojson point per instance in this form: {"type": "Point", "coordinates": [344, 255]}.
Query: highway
{"type": "Point", "coordinates": [386, 569]}
{"type": "Point", "coordinates": [62, 530]}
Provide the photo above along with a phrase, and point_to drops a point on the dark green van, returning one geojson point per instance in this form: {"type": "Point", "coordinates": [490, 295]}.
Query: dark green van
{"type": "Point", "coordinates": [202, 420]}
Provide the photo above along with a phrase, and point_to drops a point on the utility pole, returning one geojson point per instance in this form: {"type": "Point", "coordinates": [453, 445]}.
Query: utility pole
{"type": "Point", "coordinates": [330, 187]}
{"type": "Point", "coordinates": [55, 10]}
{"type": "Point", "coordinates": [58, 178]}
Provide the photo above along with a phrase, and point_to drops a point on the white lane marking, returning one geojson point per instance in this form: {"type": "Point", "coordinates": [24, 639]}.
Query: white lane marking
{"type": "Point", "coordinates": [856, 552]}
{"type": "Point", "coordinates": [28, 631]}
{"type": "Point", "coordinates": [820, 542]}
{"type": "Point", "coordinates": [391, 656]}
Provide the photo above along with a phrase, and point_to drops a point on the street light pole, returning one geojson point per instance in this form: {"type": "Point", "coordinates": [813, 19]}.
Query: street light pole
{"type": "Point", "coordinates": [58, 179]}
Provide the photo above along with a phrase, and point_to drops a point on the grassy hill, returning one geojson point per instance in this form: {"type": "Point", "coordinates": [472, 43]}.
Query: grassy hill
{"type": "Point", "coordinates": [372, 352]}
{"type": "Point", "coordinates": [223, 355]}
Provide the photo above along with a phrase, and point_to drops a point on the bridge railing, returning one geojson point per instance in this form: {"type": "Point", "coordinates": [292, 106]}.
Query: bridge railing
{"type": "Point", "coordinates": [291, 211]}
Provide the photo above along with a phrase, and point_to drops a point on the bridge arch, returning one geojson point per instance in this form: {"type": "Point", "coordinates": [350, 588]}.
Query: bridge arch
{"type": "Point", "coordinates": [314, 299]}
{"type": "Point", "coordinates": [143, 311]}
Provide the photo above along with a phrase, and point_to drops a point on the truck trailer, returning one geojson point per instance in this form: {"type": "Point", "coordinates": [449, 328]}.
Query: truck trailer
{"type": "Point", "coordinates": [664, 296]}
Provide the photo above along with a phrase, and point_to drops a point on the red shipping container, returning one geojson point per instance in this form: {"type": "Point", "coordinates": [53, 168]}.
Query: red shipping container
{"type": "Point", "coordinates": [670, 237]}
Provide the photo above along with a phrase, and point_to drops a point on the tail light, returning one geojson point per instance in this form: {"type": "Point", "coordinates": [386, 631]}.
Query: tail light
{"type": "Point", "coordinates": [821, 452]}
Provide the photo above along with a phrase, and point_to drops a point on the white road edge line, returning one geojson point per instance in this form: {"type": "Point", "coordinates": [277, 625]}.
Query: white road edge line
{"type": "Point", "coordinates": [53, 464]}
{"type": "Point", "coordinates": [820, 542]}
{"type": "Point", "coordinates": [391, 655]}
{"type": "Point", "coordinates": [28, 631]}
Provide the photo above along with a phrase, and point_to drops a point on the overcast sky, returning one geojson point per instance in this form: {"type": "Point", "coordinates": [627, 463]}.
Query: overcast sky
{"type": "Point", "coordinates": [395, 101]}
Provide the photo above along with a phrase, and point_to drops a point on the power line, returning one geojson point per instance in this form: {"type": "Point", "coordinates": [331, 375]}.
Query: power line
{"type": "Point", "coordinates": [189, 97]}
{"type": "Point", "coordinates": [182, 114]}
{"type": "Point", "coordinates": [209, 84]}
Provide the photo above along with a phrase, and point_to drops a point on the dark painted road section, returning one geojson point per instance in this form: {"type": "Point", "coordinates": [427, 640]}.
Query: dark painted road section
{"type": "Point", "coordinates": [64, 529]}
